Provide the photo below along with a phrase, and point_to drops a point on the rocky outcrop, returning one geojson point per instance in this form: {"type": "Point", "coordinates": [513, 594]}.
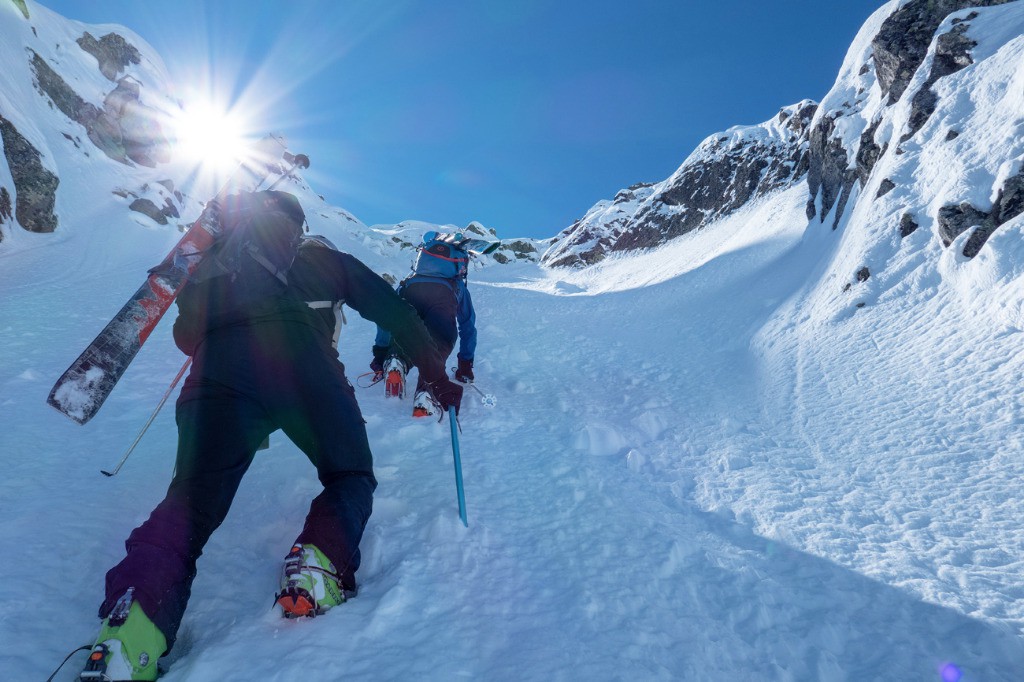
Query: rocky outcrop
{"type": "Point", "coordinates": [902, 42]}
{"type": "Point", "coordinates": [898, 50]}
{"type": "Point", "coordinates": [829, 172]}
{"type": "Point", "coordinates": [868, 152]}
{"type": "Point", "coordinates": [907, 225]}
{"type": "Point", "coordinates": [112, 52]}
{"type": "Point", "coordinates": [35, 187]}
{"type": "Point", "coordinates": [159, 214]}
{"type": "Point", "coordinates": [6, 209]}
{"type": "Point", "coordinates": [20, 4]}
{"type": "Point", "coordinates": [955, 219]}
{"type": "Point", "coordinates": [952, 53]}
{"type": "Point", "coordinates": [158, 201]}
{"type": "Point", "coordinates": [517, 250]}
{"type": "Point", "coordinates": [124, 128]}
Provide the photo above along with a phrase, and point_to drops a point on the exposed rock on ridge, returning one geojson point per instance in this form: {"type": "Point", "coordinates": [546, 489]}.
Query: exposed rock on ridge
{"type": "Point", "coordinates": [112, 52]}
{"type": "Point", "coordinates": [124, 128]}
{"type": "Point", "coordinates": [902, 42]}
{"type": "Point", "coordinates": [725, 172]}
{"type": "Point", "coordinates": [35, 187]}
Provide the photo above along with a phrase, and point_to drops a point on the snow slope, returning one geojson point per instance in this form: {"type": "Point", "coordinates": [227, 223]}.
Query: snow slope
{"type": "Point", "coordinates": [680, 481]}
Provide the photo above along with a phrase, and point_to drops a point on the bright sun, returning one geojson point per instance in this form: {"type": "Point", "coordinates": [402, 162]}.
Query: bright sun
{"type": "Point", "coordinates": [210, 138]}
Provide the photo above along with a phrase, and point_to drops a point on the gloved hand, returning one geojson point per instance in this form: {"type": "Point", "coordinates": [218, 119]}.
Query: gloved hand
{"type": "Point", "coordinates": [380, 354]}
{"type": "Point", "coordinates": [465, 371]}
{"type": "Point", "coordinates": [447, 393]}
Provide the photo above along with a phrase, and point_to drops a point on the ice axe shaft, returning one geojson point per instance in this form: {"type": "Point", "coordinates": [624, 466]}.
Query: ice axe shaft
{"type": "Point", "coordinates": [460, 491]}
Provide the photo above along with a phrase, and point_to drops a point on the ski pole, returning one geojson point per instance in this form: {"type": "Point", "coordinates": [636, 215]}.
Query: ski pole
{"type": "Point", "coordinates": [181, 372]}
{"type": "Point", "coordinates": [458, 467]}
{"type": "Point", "coordinates": [486, 399]}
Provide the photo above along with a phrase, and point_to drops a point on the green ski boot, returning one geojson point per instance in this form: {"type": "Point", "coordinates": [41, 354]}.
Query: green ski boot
{"type": "Point", "coordinates": [310, 584]}
{"type": "Point", "coordinates": [128, 645]}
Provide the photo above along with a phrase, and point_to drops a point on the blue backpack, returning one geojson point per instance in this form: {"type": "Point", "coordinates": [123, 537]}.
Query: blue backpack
{"type": "Point", "coordinates": [441, 255]}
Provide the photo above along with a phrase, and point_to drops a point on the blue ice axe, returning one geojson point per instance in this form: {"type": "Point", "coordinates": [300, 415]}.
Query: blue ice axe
{"type": "Point", "coordinates": [458, 466]}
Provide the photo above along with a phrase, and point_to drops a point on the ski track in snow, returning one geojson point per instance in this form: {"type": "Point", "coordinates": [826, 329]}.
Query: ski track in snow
{"type": "Point", "coordinates": [678, 482]}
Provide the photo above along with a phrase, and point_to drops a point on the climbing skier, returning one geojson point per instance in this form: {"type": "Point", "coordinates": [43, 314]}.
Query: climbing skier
{"type": "Point", "coordinates": [437, 290]}
{"type": "Point", "coordinates": [260, 363]}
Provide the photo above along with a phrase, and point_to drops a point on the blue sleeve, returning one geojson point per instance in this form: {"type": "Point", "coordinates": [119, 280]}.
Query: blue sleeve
{"type": "Point", "coordinates": [466, 318]}
{"type": "Point", "coordinates": [383, 337]}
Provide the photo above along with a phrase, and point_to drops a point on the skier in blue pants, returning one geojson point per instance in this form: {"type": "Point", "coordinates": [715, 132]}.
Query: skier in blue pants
{"type": "Point", "coordinates": [437, 290]}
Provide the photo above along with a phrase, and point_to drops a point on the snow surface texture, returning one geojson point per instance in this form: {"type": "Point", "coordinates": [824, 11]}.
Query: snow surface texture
{"type": "Point", "coordinates": [706, 462]}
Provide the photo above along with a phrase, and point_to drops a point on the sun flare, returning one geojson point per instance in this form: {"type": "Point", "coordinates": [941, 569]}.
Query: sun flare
{"type": "Point", "coordinates": [211, 139]}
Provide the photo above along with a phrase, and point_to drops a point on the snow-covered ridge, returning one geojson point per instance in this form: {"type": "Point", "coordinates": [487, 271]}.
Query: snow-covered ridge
{"type": "Point", "coordinates": [726, 171]}
{"type": "Point", "coordinates": [920, 75]}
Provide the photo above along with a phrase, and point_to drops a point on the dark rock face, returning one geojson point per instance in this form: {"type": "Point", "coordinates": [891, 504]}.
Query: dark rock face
{"type": "Point", "coordinates": [902, 42]}
{"type": "Point", "coordinates": [20, 4]}
{"type": "Point", "coordinates": [1010, 202]}
{"type": "Point", "coordinates": [863, 274]}
{"type": "Point", "coordinates": [907, 225]}
{"type": "Point", "coordinates": [868, 152]}
{"type": "Point", "coordinates": [521, 249]}
{"type": "Point", "coordinates": [159, 214]}
{"type": "Point", "coordinates": [124, 129]}
{"type": "Point", "coordinates": [112, 52]}
{"type": "Point", "coordinates": [899, 48]}
{"type": "Point", "coordinates": [5, 208]}
{"type": "Point", "coordinates": [885, 187]}
{"type": "Point", "coordinates": [828, 171]}
{"type": "Point", "coordinates": [35, 187]}
{"type": "Point", "coordinates": [954, 220]}
{"type": "Point", "coordinates": [157, 201]}
{"type": "Point", "coordinates": [952, 53]}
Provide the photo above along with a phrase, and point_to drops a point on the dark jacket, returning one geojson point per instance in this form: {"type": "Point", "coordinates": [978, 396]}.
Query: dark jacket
{"type": "Point", "coordinates": [318, 276]}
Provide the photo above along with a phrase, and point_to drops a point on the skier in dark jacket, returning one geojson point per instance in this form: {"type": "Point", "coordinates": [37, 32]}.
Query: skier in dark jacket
{"type": "Point", "coordinates": [437, 290]}
{"type": "Point", "coordinates": [272, 366]}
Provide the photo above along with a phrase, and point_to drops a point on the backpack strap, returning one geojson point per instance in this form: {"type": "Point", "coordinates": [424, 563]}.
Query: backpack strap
{"type": "Point", "coordinates": [259, 258]}
{"type": "Point", "coordinates": [428, 252]}
{"type": "Point", "coordinates": [339, 316]}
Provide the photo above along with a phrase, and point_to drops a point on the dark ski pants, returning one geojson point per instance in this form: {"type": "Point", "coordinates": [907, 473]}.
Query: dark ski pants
{"type": "Point", "coordinates": [242, 388]}
{"type": "Point", "coordinates": [436, 305]}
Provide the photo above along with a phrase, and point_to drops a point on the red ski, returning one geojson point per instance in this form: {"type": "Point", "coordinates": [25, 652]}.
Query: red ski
{"type": "Point", "coordinates": [82, 389]}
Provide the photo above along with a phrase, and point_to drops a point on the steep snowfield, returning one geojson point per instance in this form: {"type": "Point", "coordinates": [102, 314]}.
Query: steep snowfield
{"type": "Point", "coordinates": [711, 461]}
{"type": "Point", "coordinates": [682, 480]}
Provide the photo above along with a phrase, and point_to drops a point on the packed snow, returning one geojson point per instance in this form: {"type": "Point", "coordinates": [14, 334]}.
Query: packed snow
{"type": "Point", "coordinates": [712, 461]}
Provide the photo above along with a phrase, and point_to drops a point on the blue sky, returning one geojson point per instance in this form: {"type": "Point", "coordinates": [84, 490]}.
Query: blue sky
{"type": "Point", "coordinates": [520, 115]}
